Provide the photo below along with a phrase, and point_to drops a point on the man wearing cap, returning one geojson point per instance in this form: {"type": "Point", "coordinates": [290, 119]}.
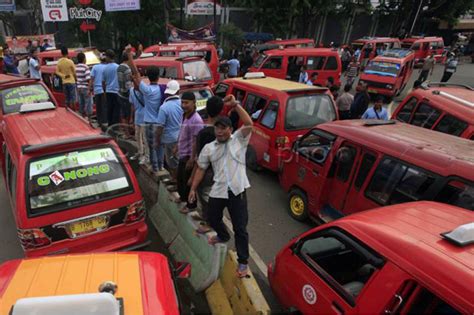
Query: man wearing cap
{"type": "Point", "coordinates": [227, 156]}
{"type": "Point", "coordinates": [170, 117]}
{"type": "Point", "coordinates": [192, 124]}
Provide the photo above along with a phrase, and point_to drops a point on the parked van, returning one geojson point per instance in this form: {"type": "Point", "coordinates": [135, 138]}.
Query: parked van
{"type": "Point", "coordinates": [71, 189]}
{"type": "Point", "coordinates": [374, 46]}
{"type": "Point", "coordinates": [281, 111]}
{"type": "Point", "coordinates": [413, 258]}
{"type": "Point", "coordinates": [286, 64]}
{"type": "Point", "coordinates": [132, 283]}
{"type": "Point", "coordinates": [389, 73]}
{"type": "Point", "coordinates": [182, 49]}
{"type": "Point", "coordinates": [425, 46]}
{"type": "Point", "coordinates": [343, 167]}
{"type": "Point", "coordinates": [194, 69]}
{"type": "Point", "coordinates": [443, 107]}
{"type": "Point", "coordinates": [293, 43]}
{"type": "Point", "coordinates": [47, 56]}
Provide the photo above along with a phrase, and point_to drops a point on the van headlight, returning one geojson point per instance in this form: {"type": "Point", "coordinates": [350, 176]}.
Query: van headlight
{"type": "Point", "coordinates": [389, 86]}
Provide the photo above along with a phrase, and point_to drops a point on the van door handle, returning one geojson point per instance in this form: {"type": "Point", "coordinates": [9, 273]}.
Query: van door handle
{"type": "Point", "coordinates": [396, 306]}
{"type": "Point", "coordinates": [337, 308]}
{"type": "Point", "coordinates": [315, 172]}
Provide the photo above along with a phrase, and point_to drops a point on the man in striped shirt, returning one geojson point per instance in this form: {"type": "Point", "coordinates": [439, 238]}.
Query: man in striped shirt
{"type": "Point", "coordinates": [83, 75]}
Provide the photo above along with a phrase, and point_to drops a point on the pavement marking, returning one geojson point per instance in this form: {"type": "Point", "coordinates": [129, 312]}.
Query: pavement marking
{"type": "Point", "coordinates": [253, 253]}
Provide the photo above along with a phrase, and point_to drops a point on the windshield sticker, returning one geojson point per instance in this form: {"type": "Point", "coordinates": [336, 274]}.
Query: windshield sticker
{"type": "Point", "coordinates": [56, 177]}
{"type": "Point", "coordinates": [25, 94]}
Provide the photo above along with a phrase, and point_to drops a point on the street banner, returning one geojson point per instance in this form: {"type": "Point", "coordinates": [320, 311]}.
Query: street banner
{"type": "Point", "coordinates": [204, 33]}
{"type": "Point", "coordinates": [54, 10]}
{"type": "Point", "coordinates": [122, 5]}
{"type": "Point", "coordinates": [7, 5]}
{"type": "Point", "coordinates": [202, 7]}
{"type": "Point", "coordinates": [20, 44]}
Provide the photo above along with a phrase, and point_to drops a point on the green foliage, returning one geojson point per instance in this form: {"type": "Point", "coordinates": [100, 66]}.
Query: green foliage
{"type": "Point", "coordinates": [232, 36]}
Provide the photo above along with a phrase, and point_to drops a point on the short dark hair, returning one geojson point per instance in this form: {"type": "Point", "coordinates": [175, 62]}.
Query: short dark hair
{"type": "Point", "coordinates": [153, 73]}
{"type": "Point", "coordinates": [124, 57]}
{"type": "Point", "coordinates": [379, 99]}
{"type": "Point", "coordinates": [64, 51]}
{"type": "Point", "coordinates": [189, 96]}
{"type": "Point", "coordinates": [347, 87]}
{"type": "Point", "coordinates": [81, 57]}
{"type": "Point", "coordinates": [110, 53]}
{"type": "Point", "coordinates": [14, 37]}
{"type": "Point", "coordinates": [214, 106]}
{"type": "Point", "coordinates": [331, 80]}
{"type": "Point", "coordinates": [33, 50]}
{"type": "Point", "coordinates": [45, 40]}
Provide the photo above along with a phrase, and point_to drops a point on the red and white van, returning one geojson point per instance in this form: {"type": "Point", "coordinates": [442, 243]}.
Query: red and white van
{"type": "Point", "coordinates": [425, 46]}
{"type": "Point", "coordinates": [374, 45]}
{"type": "Point", "coordinates": [293, 43]}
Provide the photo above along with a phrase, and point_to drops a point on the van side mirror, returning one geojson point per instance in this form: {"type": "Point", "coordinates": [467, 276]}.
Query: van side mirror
{"type": "Point", "coordinates": [183, 270]}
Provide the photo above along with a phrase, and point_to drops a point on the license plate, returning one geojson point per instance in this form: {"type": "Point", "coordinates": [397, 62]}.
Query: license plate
{"type": "Point", "coordinates": [88, 226]}
{"type": "Point", "coordinates": [372, 91]}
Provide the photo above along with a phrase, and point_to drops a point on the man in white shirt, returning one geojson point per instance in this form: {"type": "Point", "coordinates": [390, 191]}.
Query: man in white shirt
{"type": "Point", "coordinates": [33, 64]}
{"type": "Point", "coordinates": [227, 156]}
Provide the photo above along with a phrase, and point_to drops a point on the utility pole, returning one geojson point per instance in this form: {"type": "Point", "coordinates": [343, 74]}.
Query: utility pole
{"type": "Point", "coordinates": [416, 17]}
{"type": "Point", "coordinates": [215, 16]}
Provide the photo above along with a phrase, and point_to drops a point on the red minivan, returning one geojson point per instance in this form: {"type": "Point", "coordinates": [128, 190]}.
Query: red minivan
{"type": "Point", "coordinates": [71, 188]}
{"type": "Point", "coordinates": [286, 64]}
{"type": "Point", "coordinates": [373, 45]}
{"type": "Point", "coordinates": [293, 43]}
{"type": "Point", "coordinates": [413, 258]}
{"type": "Point", "coordinates": [389, 73]}
{"type": "Point", "coordinates": [425, 46]}
{"type": "Point", "coordinates": [347, 166]}
{"type": "Point", "coordinates": [181, 49]}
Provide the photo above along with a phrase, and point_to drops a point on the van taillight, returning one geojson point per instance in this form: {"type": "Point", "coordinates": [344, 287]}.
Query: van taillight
{"type": "Point", "coordinates": [135, 212]}
{"type": "Point", "coordinates": [281, 141]}
{"type": "Point", "coordinates": [33, 238]}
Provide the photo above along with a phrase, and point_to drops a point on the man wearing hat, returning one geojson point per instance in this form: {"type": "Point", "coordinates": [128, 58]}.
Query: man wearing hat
{"type": "Point", "coordinates": [227, 156]}
{"type": "Point", "coordinates": [170, 117]}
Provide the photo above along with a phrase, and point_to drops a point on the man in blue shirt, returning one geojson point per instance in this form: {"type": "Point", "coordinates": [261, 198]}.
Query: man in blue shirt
{"type": "Point", "coordinates": [234, 66]}
{"type": "Point", "coordinates": [377, 111]}
{"type": "Point", "coordinates": [111, 88]}
{"type": "Point", "coordinates": [170, 118]}
{"type": "Point", "coordinates": [136, 99]}
{"type": "Point", "coordinates": [10, 63]}
{"type": "Point", "coordinates": [97, 76]}
{"type": "Point", "coordinates": [303, 78]}
{"type": "Point", "coordinates": [152, 97]}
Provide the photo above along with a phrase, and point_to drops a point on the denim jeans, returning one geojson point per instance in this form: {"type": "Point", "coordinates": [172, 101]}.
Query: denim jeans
{"type": "Point", "coordinates": [113, 108]}
{"type": "Point", "coordinates": [157, 154]}
{"type": "Point", "coordinates": [101, 108]}
{"type": "Point", "coordinates": [85, 101]}
{"type": "Point", "coordinates": [70, 93]}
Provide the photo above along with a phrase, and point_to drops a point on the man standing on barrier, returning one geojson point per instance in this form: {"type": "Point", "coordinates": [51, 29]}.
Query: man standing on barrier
{"type": "Point", "coordinates": [227, 156]}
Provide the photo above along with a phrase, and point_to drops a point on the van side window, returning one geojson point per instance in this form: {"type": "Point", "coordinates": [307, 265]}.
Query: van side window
{"type": "Point", "coordinates": [316, 62]}
{"type": "Point", "coordinates": [451, 125]}
{"type": "Point", "coordinates": [47, 79]}
{"type": "Point", "coordinates": [405, 112]}
{"type": "Point", "coordinates": [368, 161]}
{"type": "Point", "coordinates": [57, 83]}
{"type": "Point", "coordinates": [270, 115]}
{"type": "Point", "coordinates": [394, 182]}
{"type": "Point", "coordinates": [457, 193]}
{"type": "Point", "coordinates": [328, 252]}
{"type": "Point", "coordinates": [315, 146]}
{"type": "Point", "coordinates": [416, 46]}
{"type": "Point", "coordinates": [331, 64]}
{"type": "Point", "coordinates": [221, 90]}
{"type": "Point", "coordinates": [239, 94]}
{"type": "Point", "coordinates": [426, 46]}
{"type": "Point", "coordinates": [345, 159]}
{"type": "Point", "coordinates": [254, 103]}
{"type": "Point", "coordinates": [273, 63]}
{"type": "Point", "coordinates": [425, 116]}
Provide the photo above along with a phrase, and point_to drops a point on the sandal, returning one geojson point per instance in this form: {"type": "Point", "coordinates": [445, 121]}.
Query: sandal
{"type": "Point", "coordinates": [243, 270]}
{"type": "Point", "coordinates": [184, 210]}
{"type": "Point", "coordinates": [197, 217]}
{"type": "Point", "coordinates": [204, 228]}
{"type": "Point", "coordinates": [213, 240]}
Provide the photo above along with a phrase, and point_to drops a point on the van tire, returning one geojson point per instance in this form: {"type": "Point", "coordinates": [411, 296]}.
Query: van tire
{"type": "Point", "coordinates": [251, 159]}
{"type": "Point", "coordinates": [298, 205]}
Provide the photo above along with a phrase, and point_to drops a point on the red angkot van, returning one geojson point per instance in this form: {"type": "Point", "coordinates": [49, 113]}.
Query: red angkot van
{"type": "Point", "coordinates": [51, 55]}
{"type": "Point", "coordinates": [293, 43]}
{"type": "Point", "coordinates": [389, 73]}
{"type": "Point", "coordinates": [203, 49]}
{"type": "Point", "coordinates": [373, 45]}
{"type": "Point", "coordinates": [71, 188]}
{"type": "Point", "coordinates": [425, 46]}
{"type": "Point", "coordinates": [412, 258]}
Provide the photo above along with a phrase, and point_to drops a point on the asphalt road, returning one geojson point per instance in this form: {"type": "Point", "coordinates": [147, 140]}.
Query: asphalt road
{"type": "Point", "coordinates": [270, 227]}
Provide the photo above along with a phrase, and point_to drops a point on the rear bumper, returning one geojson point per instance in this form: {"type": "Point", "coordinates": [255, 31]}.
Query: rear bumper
{"type": "Point", "coordinates": [119, 237]}
{"type": "Point", "coordinates": [380, 91]}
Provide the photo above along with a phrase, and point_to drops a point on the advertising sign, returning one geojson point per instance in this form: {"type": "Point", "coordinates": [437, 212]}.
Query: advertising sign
{"type": "Point", "coordinates": [204, 33]}
{"type": "Point", "coordinates": [202, 7]}
{"type": "Point", "coordinates": [54, 10]}
{"type": "Point", "coordinates": [19, 45]}
{"type": "Point", "coordinates": [122, 5]}
{"type": "Point", "coordinates": [7, 5]}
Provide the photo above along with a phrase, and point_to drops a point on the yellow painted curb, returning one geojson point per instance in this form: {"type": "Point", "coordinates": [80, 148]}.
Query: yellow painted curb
{"type": "Point", "coordinates": [217, 299]}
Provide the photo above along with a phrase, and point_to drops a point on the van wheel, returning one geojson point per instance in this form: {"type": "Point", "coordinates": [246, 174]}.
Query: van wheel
{"type": "Point", "coordinates": [251, 159]}
{"type": "Point", "coordinates": [298, 205]}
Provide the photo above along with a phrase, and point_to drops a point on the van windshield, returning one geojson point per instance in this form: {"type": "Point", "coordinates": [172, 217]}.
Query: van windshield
{"type": "Point", "coordinates": [306, 111]}
{"type": "Point", "coordinates": [259, 61]}
{"type": "Point", "coordinates": [356, 46]}
{"type": "Point", "coordinates": [382, 68]}
{"type": "Point", "coordinates": [407, 45]}
{"type": "Point", "coordinates": [75, 178]}
{"type": "Point", "coordinates": [14, 97]}
{"type": "Point", "coordinates": [199, 70]}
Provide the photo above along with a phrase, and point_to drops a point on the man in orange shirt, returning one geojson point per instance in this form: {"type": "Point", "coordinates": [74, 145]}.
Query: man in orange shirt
{"type": "Point", "coordinates": [66, 70]}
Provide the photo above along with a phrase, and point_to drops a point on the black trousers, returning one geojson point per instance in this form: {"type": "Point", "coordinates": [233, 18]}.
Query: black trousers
{"type": "Point", "coordinates": [446, 76]}
{"type": "Point", "coordinates": [183, 177]}
{"type": "Point", "coordinates": [113, 108]}
{"type": "Point", "coordinates": [100, 108]}
{"type": "Point", "coordinates": [237, 207]}
{"type": "Point", "coordinates": [423, 75]}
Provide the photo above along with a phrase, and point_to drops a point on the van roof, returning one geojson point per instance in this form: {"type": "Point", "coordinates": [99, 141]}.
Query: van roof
{"type": "Point", "coordinates": [39, 128]}
{"type": "Point", "coordinates": [301, 51]}
{"type": "Point", "coordinates": [448, 100]}
{"type": "Point", "coordinates": [83, 273]}
{"type": "Point", "coordinates": [277, 84]}
{"type": "Point", "coordinates": [166, 60]}
{"type": "Point", "coordinates": [376, 39]}
{"type": "Point", "coordinates": [409, 235]}
{"type": "Point", "coordinates": [181, 46]}
{"type": "Point", "coordinates": [291, 41]}
{"type": "Point", "coordinates": [421, 39]}
{"type": "Point", "coordinates": [6, 79]}
{"type": "Point", "coordinates": [439, 152]}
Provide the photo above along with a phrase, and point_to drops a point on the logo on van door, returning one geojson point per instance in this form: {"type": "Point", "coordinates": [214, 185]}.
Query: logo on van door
{"type": "Point", "coordinates": [309, 294]}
